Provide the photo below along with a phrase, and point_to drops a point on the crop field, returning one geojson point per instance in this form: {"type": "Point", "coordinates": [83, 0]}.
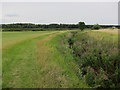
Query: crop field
{"type": "Point", "coordinates": [60, 59]}
{"type": "Point", "coordinates": [111, 31]}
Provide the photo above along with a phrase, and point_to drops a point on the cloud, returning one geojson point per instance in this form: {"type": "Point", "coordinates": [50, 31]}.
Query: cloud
{"type": "Point", "coordinates": [11, 15]}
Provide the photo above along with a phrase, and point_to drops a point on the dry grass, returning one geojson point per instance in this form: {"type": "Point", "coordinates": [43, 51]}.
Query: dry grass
{"type": "Point", "coordinates": [112, 31]}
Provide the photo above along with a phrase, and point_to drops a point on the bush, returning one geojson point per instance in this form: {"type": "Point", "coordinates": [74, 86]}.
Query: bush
{"type": "Point", "coordinates": [96, 27]}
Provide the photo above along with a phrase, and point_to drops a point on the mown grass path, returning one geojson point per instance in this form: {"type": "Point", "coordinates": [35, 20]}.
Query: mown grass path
{"type": "Point", "coordinates": [34, 62]}
{"type": "Point", "coordinates": [11, 38]}
{"type": "Point", "coordinates": [19, 62]}
{"type": "Point", "coordinates": [49, 74]}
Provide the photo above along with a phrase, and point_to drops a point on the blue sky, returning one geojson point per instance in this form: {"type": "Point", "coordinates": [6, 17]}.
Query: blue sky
{"type": "Point", "coordinates": [60, 12]}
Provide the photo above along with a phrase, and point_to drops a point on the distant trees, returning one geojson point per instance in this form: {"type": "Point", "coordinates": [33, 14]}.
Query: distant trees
{"type": "Point", "coordinates": [81, 25]}
{"type": "Point", "coordinates": [96, 27]}
{"type": "Point", "coordinates": [20, 25]}
{"type": "Point", "coordinates": [48, 27]}
{"type": "Point", "coordinates": [53, 25]}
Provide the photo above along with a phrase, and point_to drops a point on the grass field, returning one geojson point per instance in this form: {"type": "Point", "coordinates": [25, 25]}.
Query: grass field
{"type": "Point", "coordinates": [47, 59]}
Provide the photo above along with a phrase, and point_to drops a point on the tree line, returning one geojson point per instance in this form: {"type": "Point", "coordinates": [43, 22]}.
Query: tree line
{"type": "Point", "coordinates": [43, 27]}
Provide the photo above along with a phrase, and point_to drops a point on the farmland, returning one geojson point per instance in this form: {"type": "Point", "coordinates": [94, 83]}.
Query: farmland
{"type": "Point", "coordinates": [60, 59]}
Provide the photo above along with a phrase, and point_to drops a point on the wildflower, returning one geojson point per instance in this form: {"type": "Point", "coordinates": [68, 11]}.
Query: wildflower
{"type": "Point", "coordinates": [87, 47]}
{"type": "Point", "coordinates": [106, 78]}
{"type": "Point", "coordinates": [85, 53]}
{"type": "Point", "coordinates": [115, 49]}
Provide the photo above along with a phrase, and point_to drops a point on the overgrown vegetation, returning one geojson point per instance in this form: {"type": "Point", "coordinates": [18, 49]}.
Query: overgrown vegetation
{"type": "Point", "coordinates": [97, 57]}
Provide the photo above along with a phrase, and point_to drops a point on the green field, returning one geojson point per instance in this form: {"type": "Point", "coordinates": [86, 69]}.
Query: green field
{"type": "Point", "coordinates": [53, 59]}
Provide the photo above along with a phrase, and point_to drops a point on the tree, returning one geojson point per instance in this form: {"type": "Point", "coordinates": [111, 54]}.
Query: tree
{"type": "Point", "coordinates": [81, 25]}
{"type": "Point", "coordinates": [96, 27]}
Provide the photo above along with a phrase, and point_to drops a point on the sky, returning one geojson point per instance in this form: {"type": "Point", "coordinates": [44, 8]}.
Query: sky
{"type": "Point", "coordinates": [90, 12]}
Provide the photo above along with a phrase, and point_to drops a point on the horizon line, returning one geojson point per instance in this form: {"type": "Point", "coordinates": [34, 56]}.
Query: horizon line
{"type": "Point", "coordinates": [53, 23]}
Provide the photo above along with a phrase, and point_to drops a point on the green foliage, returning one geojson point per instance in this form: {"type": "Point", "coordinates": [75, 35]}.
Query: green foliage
{"type": "Point", "coordinates": [81, 25]}
{"type": "Point", "coordinates": [37, 27]}
{"type": "Point", "coordinates": [90, 77]}
{"type": "Point", "coordinates": [96, 27]}
{"type": "Point", "coordinates": [65, 59]}
{"type": "Point", "coordinates": [49, 27]}
{"type": "Point", "coordinates": [98, 58]}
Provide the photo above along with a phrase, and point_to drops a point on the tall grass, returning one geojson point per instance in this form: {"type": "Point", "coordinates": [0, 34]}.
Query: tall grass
{"type": "Point", "coordinates": [64, 58]}
{"type": "Point", "coordinates": [98, 58]}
